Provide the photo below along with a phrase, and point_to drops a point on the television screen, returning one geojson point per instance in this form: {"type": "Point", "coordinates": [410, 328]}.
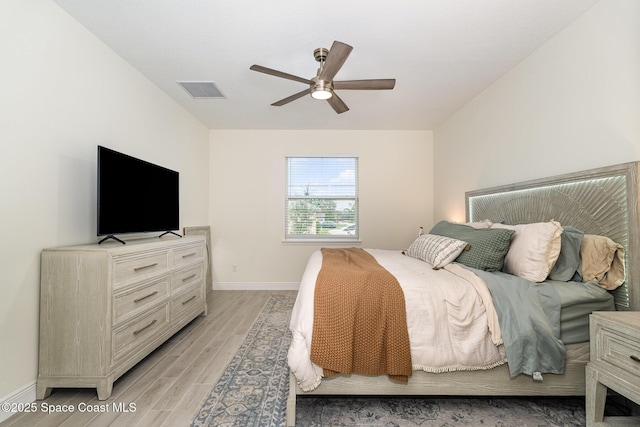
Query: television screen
{"type": "Point", "coordinates": [135, 196]}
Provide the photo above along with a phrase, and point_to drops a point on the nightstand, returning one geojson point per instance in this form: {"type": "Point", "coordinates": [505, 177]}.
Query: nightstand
{"type": "Point", "coordinates": [614, 363]}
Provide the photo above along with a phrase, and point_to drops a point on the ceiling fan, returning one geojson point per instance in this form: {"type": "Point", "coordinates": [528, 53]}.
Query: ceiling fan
{"type": "Point", "coordinates": [322, 86]}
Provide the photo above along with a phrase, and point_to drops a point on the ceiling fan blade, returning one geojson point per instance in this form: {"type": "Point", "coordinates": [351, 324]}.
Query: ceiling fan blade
{"type": "Point", "coordinates": [277, 73]}
{"type": "Point", "coordinates": [293, 97]}
{"type": "Point", "coordinates": [337, 104]}
{"type": "Point", "coordinates": [338, 54]}
{"type": "Point", "coordinates": [373, 84]}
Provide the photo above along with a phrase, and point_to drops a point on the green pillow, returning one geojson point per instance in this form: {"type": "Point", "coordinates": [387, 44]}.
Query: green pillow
{"type": "Point", "coordinates": [569, 259]}
{"type": "Point", "coordinates": [488, 248]}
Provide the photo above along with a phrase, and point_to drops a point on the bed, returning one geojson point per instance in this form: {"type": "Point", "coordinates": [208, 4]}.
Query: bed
{"type": "Point", "coordinates": [599, 202]}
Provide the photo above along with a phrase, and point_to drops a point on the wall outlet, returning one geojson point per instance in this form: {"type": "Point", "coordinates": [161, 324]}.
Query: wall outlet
{"type": "Point", "coordinates": [234, 268]}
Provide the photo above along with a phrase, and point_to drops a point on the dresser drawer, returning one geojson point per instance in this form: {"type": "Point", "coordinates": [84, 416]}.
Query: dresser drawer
{"type": "Point", "coordinates": [186, 301]}
{"type": "Point", "coordinates": [186, 255]}
{"type": "Point", "coordinates": [619, 349]}
{"type": "Point", "coordinates": [186, 277]}
{"type": "Point", "coordinates": [131, 302]}
{"type": "Point", "coordinates": [138, 267]}
{"type": "Point", "coordinates": [133, 334]}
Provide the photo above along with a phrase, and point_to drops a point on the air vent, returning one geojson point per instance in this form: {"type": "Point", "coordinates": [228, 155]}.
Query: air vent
{"type": "Point", "coordinates": [202, 90]}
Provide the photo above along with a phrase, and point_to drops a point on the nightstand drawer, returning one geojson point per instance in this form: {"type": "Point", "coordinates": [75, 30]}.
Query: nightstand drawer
{"type": "Point", "coordinates": [619, 350]}
{"type": "Point", "coordinates": [615, 363]}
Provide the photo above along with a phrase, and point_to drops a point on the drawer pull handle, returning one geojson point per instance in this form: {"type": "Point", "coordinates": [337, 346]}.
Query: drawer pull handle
{"type": "Point", "coordinates": [145, 297]}
{"type": "Point", "coordinates": [145, 327]}
{"type": "Point", "coordinates": [188, 278]}
{"type": "Point", "coordinates": [189, 300]}
{"type": "Point", "coordinates": [636, 358]}
{"type": "Point", "coordinates": [145, 266]}
{"type": "Point", "coordinates": [188, 255]}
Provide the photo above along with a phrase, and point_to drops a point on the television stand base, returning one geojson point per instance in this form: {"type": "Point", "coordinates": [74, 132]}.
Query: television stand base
{"type": "Point", "coordinates": [169, 232]}
{"type": "Point", "coordinates": [111, 236]}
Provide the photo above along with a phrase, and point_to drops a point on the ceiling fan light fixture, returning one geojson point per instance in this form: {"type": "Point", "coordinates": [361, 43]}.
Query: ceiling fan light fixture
{"type": "Point", "coordinates": [321, 94]}
{"type": "Point", "coordinates": [321, 89]}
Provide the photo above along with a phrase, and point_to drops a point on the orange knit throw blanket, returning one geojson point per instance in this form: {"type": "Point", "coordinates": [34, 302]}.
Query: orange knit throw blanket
{"type": "Point", "coordinates": [360, 320]}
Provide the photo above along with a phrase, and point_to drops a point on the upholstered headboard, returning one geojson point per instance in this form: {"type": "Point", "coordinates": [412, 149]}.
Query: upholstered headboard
{"type": "Point", "coordinates": [601, 201]}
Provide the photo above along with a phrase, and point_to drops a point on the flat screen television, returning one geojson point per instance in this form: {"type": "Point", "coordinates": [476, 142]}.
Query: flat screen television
{"type": "Point", "coordinates": [135, 196]}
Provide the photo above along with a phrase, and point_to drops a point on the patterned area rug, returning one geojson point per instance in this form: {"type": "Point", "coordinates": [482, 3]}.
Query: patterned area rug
{"type": "Point", "coordinates": [253, 391]}
{"type": "Point", "coordinates": [254, 387]}
{"type": "Point", "coordinates": [440, 412]}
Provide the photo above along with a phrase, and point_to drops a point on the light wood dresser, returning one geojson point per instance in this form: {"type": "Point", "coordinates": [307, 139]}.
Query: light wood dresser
{"type": "Point", "coordinates": [614, 364]}
{"type": "Point", "coordinates": [105, 307]}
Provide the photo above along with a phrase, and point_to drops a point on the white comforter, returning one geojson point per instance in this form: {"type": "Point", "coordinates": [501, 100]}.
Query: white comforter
{"type": "Point", "coordinates": [451, 320]}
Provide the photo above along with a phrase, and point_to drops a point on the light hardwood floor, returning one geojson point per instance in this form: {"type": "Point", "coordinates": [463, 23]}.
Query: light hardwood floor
{"type": "Point", "coordinates": [168, 386]}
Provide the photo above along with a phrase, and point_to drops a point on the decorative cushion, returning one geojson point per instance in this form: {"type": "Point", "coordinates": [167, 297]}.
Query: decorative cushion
{"type": "Point", "coordinates": [534, 249]}
{"type": "Point", "coordinates": [487, 246]}
{"type": "Point", "coordinates": [436, 250]}
{"type": "Point", "coordinates": [569, 259]}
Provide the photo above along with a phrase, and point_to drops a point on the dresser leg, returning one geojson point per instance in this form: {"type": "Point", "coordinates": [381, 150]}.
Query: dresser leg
{"type": "Point", "coordinates": [595, 398]}
{"type": "Point", "coordinates": [104, 389]}
{"type": "Point", "coordinates": [42, 391]}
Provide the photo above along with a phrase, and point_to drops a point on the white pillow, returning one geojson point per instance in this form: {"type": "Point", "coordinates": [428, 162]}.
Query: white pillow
{"type": "Point", "coordinates": [436, 250]}
{"type": "Point", "coordinates": [485, 223]}
{"type": "Point", "coordinates": [534, 249]}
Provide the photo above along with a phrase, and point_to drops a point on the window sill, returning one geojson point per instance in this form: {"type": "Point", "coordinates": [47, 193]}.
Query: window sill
{"type": "Point", "coordinates": [321, 241]}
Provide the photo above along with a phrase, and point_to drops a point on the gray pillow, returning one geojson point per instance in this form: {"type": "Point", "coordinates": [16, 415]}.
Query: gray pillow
{"type": "Point", "coordinates": [569, 259]}
{"type": "Point", "coordinates": [488, 246]}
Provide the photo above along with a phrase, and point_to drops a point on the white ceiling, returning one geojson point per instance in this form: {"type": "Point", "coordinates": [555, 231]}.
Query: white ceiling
{"type": "Point", "coordinates": [442, 53]}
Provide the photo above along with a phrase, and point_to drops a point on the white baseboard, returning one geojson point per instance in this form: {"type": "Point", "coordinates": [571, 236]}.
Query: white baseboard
{"type": "Point", "coordinates": [26, 394]}
{"type": "Point", "coordinates": [255, 286]}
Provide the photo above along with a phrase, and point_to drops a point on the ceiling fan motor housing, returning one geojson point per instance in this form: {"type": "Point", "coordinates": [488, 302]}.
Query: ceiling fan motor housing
{"type": "Point", "coordinates": [321, 54]}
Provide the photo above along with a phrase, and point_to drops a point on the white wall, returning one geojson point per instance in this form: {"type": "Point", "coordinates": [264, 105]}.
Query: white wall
{"type": "Point", "coordinates": [247, 197]}
{"type": "Point", "coordinates": [64, 92]}
{"type": "Point", "coordinates": [572, 105]}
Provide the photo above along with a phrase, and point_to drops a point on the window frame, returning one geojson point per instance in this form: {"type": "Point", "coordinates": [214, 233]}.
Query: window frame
{"type": "Point", "coordinates": [322, 238]}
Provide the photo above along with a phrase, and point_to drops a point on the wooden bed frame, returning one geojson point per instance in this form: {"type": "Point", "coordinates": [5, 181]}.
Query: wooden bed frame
{"type": "Point", "coordinates": [601, 201]}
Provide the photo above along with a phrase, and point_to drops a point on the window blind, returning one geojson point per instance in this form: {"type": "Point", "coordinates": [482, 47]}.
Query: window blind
{"type": "Point", "coordinates": [321, 198]}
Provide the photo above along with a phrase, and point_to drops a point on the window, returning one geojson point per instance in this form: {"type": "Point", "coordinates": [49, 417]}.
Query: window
{"type": "Point", "coordinates": [322, 198]}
